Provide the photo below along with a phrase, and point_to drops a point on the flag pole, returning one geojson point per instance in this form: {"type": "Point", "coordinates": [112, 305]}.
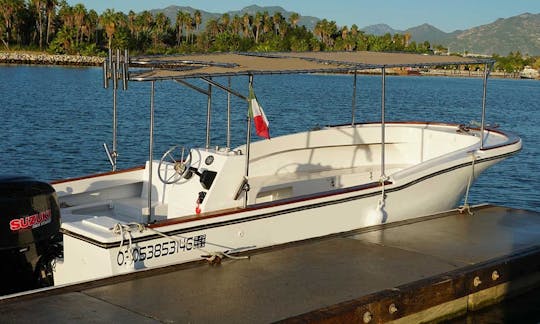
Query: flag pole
{"type": "Point", "coordinates": [248, 145]}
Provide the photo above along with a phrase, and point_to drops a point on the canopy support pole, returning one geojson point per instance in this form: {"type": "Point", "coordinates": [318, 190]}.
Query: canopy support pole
{"type": "Point", "coordinates": [228, 89]}
{"type": "Point", "coordinates": [191, 86]}
{"type": "Point", "coordinates": [383, 126]}
{"type": "Point", "coordinates": [115, 113]}
{"type": "Point", "coordinates": [150, 154]}
{"type": "Point", "coordinates": [229, 115]}
{"type": "Point", "coordinates": [353, 109]}
{"type": "Point", "coordinates": [484, 98]}
{"type": "Point", "coordinates": [208, 116]}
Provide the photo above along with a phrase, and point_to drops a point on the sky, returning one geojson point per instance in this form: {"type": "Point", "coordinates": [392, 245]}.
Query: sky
{"type": "Point", "coordinates": [447, 15]}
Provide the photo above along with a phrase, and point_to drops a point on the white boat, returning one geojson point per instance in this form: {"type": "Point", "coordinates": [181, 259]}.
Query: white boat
{"type": "Point", "coordinates": [529, 73]}
{"type": "Point", "coordinates": [212, 202]}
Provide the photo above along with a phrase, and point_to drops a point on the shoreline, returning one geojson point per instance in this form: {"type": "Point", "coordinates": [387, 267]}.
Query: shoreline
{"type": "Point", "coordinates": [49, 59]}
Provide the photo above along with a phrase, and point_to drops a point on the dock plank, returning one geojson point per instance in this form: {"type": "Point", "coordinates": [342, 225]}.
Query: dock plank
{"type": "Point", "coordinates": [272, 286]}
{"type": "Point", "coordinates": [491, 232]}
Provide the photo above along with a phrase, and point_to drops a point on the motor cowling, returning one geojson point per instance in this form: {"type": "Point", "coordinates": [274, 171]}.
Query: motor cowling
{"type": "Point", "coordinates": [29, 233]}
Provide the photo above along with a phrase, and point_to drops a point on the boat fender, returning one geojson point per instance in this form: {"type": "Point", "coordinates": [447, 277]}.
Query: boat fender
{"type": "Point", "coordinates": [380, 212]}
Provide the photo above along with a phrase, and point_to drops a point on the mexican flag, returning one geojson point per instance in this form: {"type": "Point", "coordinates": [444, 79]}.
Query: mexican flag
{"type": "Point", "coordinates": [257, 113]}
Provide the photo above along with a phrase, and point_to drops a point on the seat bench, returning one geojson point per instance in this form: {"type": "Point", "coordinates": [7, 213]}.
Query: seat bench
{"type": "Point", "coordinates": [136, 208]}
{"type": "Point", "coordinates": [286, 185]}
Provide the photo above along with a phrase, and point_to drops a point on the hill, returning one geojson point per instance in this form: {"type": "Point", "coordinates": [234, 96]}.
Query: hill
{"type": "Point", "coordinates": [172, 11]}
{"type": "Point", "coordinates": [519, 33]}
{"type": "Point", "coordinates": [380, 29]}
{"type": "Point", "coordinates": [307, 21]}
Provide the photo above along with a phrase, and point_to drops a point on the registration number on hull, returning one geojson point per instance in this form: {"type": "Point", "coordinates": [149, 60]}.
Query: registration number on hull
{"type": "Point", "coordinates": [161, 249]}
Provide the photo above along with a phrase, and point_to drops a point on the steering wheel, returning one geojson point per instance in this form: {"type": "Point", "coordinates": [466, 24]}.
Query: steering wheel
{"type": "Point", "coordinates": [180, 157]}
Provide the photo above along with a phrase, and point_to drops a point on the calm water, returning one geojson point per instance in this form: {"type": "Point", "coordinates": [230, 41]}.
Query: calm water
{"type": "Point", "coordinates": [55, 119]}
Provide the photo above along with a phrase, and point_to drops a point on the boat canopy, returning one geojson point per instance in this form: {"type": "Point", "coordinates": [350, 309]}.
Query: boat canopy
{"type": "Point", "coordinates": [231, 64]}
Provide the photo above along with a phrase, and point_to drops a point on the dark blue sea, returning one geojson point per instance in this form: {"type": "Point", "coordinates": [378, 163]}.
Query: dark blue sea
{"type": "Point", "coordinates": [56, 119]}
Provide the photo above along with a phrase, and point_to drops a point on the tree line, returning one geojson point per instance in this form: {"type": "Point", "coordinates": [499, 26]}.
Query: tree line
{"type": "Point", "coordinates": [515, 62]}
{"type": "Point", "coordinates": [56, 27]}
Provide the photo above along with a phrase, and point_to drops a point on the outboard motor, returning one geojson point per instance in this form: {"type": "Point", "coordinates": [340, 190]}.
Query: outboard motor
{"type": "Point", "coordinates": [29, 234]}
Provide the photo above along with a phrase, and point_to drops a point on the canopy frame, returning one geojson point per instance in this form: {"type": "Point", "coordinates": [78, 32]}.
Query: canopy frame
{"type": "Point", "coordinates": [207, 66]}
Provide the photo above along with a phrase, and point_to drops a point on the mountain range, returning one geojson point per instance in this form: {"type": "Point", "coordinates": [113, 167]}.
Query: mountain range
{"type": "Point", "coordinates": [519, 33]}
{"type": "Point", "coordinates": [172, 11]}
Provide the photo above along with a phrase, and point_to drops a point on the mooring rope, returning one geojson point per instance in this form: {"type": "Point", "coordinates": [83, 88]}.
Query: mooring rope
{"type": "Point", "coordinates": [122, 230]}
{"type": "Point", "coordinates": [466, 206]}
{"type": "Point", "coordinates": [210, 256]}
{"type": "Point", "coordinates": [382, 199]}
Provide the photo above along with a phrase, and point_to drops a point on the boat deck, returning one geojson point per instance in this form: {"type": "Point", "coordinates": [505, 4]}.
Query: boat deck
{"type": "Point", "coordinates": [434, 266]}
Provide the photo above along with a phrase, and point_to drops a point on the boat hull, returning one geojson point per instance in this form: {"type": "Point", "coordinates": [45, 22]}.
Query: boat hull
{"type": "Point", "coordinates": [267, 225]}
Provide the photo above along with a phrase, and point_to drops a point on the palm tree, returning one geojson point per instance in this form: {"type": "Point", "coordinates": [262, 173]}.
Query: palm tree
{"type": "Point", "coordinates": [92, 21]}
{"type": "Point", "coordinates": [8, 11]}
{"type": "Point", "coordinates": [426, 47]}
{"type": "Point", "coordinates": [317, 29]}
{"type": "Point", "coordinates": [344, 32]}
{"type": "Point", "coordinates": [180, 20]}
{"type": "Point", "coordinates": [39, 6]}
{"type": "Point", "coordinates": [66, 15]}
{"type": "Point", "coordinates": [246, 19]}
{"type": "Point", "coordinates": [349, 37]}
{"type": "Point", "coordinates": [267, 23]}
{"type": "Point", "coordinates": [236, 25]}
{"type": "Point", "coordinates": [407, 38]}
{"type": "Point", "coordinates": [398, 42]}
{"type": "Point", "coordinates": [197, 17]}
{"type": "Point", "coordinates": [294, 18]}
{"type": "Point", "coordinates": [188, 20]}
{"type": "Point", "coordinates": [79, 13]}
{"type": "Point", "coordinates": [143, 23]}
{"type": "Point", "coordinates": [225, 21]}
{"type": "Point", "coordinates": [161, 26]}
{"type": "Point", "coordinates": [324, 29]}
{"type": "Point", "coordinates": [276, 19]}
{"type": "Point", "coordinates": [257, 22]}
{"type": "Point", "coordinates": [354, 30]}
{"type": "Point", "coordinates": [109, 23]}
{"type": "Point", "coordinates": [212, 27]}
{"type": "Point", "coordinates": [131, 22]}
{"type": "Point", "coordinates": [50, 6]}
{"type": "Point", "coordinates": [283, 28]}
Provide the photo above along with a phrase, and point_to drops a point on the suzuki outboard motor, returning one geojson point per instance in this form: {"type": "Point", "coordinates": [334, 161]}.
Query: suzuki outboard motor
{"type": "Point", "coordinates": [29, 233]}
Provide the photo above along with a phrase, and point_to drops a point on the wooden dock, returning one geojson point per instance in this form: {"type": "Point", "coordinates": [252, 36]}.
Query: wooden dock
{"type": "Point", "coordinates": [434, 267]}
